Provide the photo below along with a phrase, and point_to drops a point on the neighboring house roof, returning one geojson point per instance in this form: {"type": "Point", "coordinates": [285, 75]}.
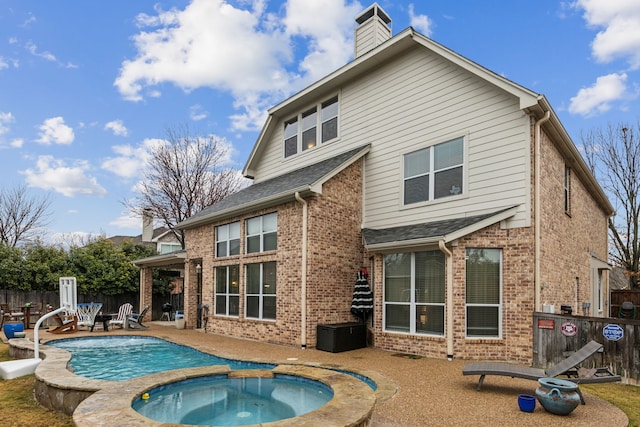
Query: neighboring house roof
{"type": "Point", "coordinates": [277, 190]}
{"type": "Point", "coordinates": [137, 240]}
{"type": "Point", "coordinates": [430, 233]}
{"type": "Point", "coordinates": [529, 101]}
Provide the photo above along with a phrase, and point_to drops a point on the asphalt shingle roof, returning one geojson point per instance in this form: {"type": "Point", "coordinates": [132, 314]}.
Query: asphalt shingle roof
{"type": "Point", "coordinates": [289, 183]}
{"type": "Point", "coordinates": [422, 231]}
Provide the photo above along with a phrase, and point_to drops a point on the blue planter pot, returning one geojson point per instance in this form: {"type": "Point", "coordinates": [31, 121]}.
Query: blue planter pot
{"type": "Point", "coordinates": [526, 402]}
{"type": "Point", "coordinates": [11, 327]}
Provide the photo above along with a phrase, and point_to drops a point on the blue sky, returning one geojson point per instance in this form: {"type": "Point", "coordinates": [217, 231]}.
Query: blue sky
{"type": "Point", "coordinates": [87, 87]}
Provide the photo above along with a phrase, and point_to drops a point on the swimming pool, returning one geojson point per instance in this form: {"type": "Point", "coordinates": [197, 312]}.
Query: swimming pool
{"type": "Point", "coordinates": [222, 401]}
{"type": "Point", "coordinates": [120, 358]}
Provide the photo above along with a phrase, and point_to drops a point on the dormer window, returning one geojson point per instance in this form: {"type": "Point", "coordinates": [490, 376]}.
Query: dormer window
{"type": "Point", "coordinates": [311, 127]}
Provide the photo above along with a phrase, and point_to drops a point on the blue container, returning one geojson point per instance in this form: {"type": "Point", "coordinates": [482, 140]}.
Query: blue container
{"type": "Point", "coordinates": [557, 396]}
{"type": "Point", "coordinates": [526, 402]}
{"type": "Point", "coordinates": [11, 327]}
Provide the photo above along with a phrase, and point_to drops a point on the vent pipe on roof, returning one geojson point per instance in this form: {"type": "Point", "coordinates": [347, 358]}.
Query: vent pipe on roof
{"type": "Point", "coordinates": [373, 27]}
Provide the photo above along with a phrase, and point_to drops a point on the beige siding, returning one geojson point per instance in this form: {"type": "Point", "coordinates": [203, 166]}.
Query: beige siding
{"type": "Point", "coordinates": [417, 101]}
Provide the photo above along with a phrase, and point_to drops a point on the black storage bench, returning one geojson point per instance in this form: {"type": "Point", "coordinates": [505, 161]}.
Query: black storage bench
{"type": "Point", "coordinates": [341, 337]}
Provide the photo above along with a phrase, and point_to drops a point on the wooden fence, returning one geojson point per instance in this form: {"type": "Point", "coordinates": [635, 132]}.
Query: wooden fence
{"type": "Point", "coordinates": [555, 336]}
{"type": "Point", "coordinates": [620, 296]}
{"type": "Point", "coordinates": [110, 303]}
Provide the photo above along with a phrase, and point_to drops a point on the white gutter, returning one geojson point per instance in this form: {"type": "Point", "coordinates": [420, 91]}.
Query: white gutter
{"type": "Point", "coordinates": [537, 213]}
{"type": "Point", "coordinates": [303, 272]}
{"type": "Point", "coordinates": [449, 258]}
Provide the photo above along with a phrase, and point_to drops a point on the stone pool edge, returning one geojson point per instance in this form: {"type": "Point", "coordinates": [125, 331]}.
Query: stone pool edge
{"type": "Point", "coordinates": [352, 404]}
{"type": "Point", "coordinates": [61, 390]}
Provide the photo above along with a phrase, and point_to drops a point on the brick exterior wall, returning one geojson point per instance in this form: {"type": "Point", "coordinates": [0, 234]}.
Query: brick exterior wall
{"type": "Point", "coordinates": [568, 239]}
{"type": "Point", "coordinates": [334, 255]}
{"type": "Point", "coordinates": [567, 244]}
{"type": "Point", "coordinates": [517, 302]}
{"type": "Point", "coordinates": [335, 252]}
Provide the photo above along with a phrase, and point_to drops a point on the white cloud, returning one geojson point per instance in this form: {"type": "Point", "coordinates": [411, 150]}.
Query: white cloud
{"type": "Point", "coordinates": [5, 119]}
{"type": "Point", "coordinates": [53, 174]}
{"type": "Point", "coordinates": [130, 161]}
{"type": "Point", "coordinates": [247, 52]}
{"type": "Point", "coordinates": [54, 131]}
{"type": "Point", "coordinates": [17, 143]}
{"type": "Point", "coordinates": [197, 113]}
{"type": "Point", "coordinates": [117, 127]}
{"type": "Point", "coordinates": [127, 221]}
{"type": "Point", "coordinates": [421, 23]}
{"type": "Point", "coordinates": [48, 56]}
{"type": "Point", "coordinates": [599, 96]}
{"type": "Point", "coordinates": [619, 36]}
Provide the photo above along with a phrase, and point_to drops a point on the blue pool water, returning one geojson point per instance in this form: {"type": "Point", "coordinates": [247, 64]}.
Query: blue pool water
{"type": "Point", "coordinates": [120, 358]}
{"type": "Point", "coordinates": [221, 401]}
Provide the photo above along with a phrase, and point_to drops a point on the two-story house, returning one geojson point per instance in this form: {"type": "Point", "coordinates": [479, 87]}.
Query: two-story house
{"type": "Point", "coordinates": [459, 190]}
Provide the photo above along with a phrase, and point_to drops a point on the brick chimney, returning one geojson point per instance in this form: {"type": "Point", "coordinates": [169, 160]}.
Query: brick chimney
{"type": "Point", "coordinates": [373, 27]}
{"type": "Point", "coordinates": [147, 225]}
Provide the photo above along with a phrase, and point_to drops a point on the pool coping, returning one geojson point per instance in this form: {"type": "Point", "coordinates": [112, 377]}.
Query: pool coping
{"type": "Point", "coordinates": [59, 389]}
{"type": "Point", "coordinates": [352, 403]}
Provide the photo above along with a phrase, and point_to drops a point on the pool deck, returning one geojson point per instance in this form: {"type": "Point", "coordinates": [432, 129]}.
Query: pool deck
{"type": "Point", "coordinates": [415, 391]}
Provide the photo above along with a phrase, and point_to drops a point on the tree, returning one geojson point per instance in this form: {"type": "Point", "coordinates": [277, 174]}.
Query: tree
{"type": "Point", "coordinates": [42, 267]}
{"type": "Point", "coordinates": [184, 175]}
{"type": "Point", "coordinates": [614, 157]}
{"type": "Point", "coordinates": [10, 267]}
{"type": "Point", "coordinates": [21, 217]}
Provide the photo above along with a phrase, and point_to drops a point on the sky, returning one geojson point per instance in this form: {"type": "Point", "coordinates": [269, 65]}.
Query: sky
{"type": "Point", "coordinates": [87, 88]}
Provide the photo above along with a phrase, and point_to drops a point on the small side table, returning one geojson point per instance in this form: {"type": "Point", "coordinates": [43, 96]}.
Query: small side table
{"type": "Point", "coordinates": [104, 318]}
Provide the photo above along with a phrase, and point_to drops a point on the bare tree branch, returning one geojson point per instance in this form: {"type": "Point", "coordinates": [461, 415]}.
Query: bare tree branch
{"type": "Point", "coordinates": [614, 156]}
{"type": "Point", "coordinates": [21, 217]}
{"type": "Point", "coordinates": [182, 177]}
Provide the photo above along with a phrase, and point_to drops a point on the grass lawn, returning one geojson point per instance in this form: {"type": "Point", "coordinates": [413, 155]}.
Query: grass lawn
{"type": "Point", "coordinates": [18, 407]}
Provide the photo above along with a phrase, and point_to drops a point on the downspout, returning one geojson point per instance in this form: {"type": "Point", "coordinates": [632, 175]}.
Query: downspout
{"type": "Point", "coordinates": [449, 260]}
{"type": "Point", "coordinates": [536, 211]}
{"type": "Point", "coordinates": [303, 272]}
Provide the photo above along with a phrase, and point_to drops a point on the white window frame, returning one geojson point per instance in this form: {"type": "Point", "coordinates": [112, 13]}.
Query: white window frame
{"type": "Point", "coordinates": [431, 172]}
{"type": "Point", "coordinates": [499, 305]}
{"type": "Point", "coordinates": [302, 125]}
{"type": "Point", "coordinates": [261, 295]}
{"type": "Point", "coordinates": [264, 231]}
{"type": "Point", "coordinates": [227, 294]}
{"type": "Point", "coordinates": [225, 234]}
{"type": "Point", "coordinates": [411, 304]}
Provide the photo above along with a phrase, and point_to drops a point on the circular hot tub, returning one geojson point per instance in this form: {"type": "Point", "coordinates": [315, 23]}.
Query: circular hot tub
{"type": "Point", "coordinates": [286, 395]}
{"type": "Point", "coordinates": [220, 400]}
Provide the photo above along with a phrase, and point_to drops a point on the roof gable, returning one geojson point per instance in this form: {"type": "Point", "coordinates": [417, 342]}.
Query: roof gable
{"type": "Point", "coordinates": [387, 51]}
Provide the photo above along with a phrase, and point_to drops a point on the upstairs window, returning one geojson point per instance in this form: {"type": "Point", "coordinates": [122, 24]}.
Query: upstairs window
{"type": "Point", "coordinates": [262, 233]}
{"type": "Point", "coordinates": [434, 172]}
{"type": "Point", "coordinates": [308, 129]}
{"type": "Point", "coordinates": [228, 239]}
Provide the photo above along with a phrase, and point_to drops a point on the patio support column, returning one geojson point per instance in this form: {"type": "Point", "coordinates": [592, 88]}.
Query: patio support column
{"type": "Point", "coordinates": [146, 291]}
